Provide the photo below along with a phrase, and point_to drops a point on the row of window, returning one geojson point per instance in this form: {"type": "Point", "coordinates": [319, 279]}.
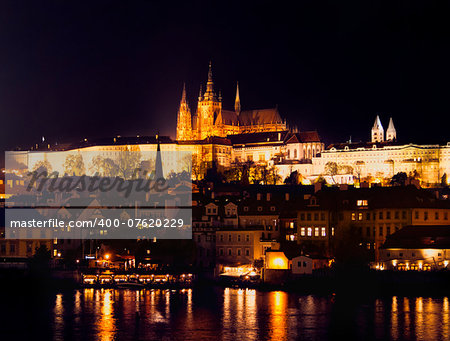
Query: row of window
{"type": "Point", "coordinates": [230, 252]}
{"type": "Point", "coordinates": [372, 231]}
{"type": "Point", "coordinates": [426, 215]}
{"type": "Point", "coordinates": [413, 255]}
{"type": "Point", "coordinates": [238, 237]}
{"type": "Point", "coordinates": [373, 215]}
{"type": "Point", "coordinates": [260, 208]}
{"type": "Point", "coordinates": [308, 216]}
{"type": "Point", "coordinates": [13, 248]}
{"type": "Point", "coordinates": [308, 231]}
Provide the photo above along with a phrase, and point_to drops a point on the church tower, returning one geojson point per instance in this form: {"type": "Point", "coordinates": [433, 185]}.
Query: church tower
{"type": "Point", "coordinates": [209, 107]}
{"type": "Point", "coordinates": [377, 131]}
{"type": "Point", "coordinates": [237, 102]}
{"type": "Point", "coordinates": [184, 124]}
{"type": "Point", "coordinates": [391, 133]}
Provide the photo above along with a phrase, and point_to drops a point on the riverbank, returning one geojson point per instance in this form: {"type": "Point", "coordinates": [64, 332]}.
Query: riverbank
{"type": "Point", "coordinates": [353, 282]}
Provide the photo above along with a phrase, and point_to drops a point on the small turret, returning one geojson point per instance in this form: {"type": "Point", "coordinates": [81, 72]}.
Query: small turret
{"type": "Point", "coordinates": [200, 94]}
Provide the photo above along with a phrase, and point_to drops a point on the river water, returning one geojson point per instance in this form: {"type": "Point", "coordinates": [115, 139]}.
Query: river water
{"type": "Point", "coordinates": [219, 314]}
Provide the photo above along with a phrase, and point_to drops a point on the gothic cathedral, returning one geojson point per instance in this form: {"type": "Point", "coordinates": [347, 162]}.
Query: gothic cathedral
{"type": "Point", "coordinates": [211, 120]}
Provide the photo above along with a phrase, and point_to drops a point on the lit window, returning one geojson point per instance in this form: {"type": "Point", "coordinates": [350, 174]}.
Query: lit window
{"type": "Point", "coordinates": [324, 233]}
{"type": "Point", "coordinates": [316, 232]}
{"type": "Point", "coordinates": [353, 216]}
{"type": "Point", "coordinates": [361, 203]}
{"type": "Point", "coordinates": [309, 231]}
{"type": "Point", "coordinates": [360, 216]}
{"type": "Point", "coordinates": [302, 231]}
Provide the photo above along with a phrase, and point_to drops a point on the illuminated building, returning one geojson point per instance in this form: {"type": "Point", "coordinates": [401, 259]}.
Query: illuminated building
{"type": "Point", "coordinates": [276, 260]}
{"type": "Point", "coordinates": [368, 214]}
{"type": "Point", "coordinates": [379, 160]}
{"type": "Point", "coordinates": [418, 248]}
{"type": "Point", "coordinates": [210, 119]}
{"type": "Point", "coordinates": [240, 247]}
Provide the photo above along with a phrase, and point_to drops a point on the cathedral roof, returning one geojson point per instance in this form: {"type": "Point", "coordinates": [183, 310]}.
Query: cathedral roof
{"type": "Point", "coordinates": [304, 137]}
{"type": "Point", "coordinates": [256, 117]}
{"type": "Point", "coordinates": [249, 117]}
{"type": "Point", "coordinates": [265, 137]}
{"type": "Point", "coordinates": [227, 117]}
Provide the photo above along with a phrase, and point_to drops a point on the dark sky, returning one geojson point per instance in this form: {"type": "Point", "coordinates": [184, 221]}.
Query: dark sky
{"type": "Point", "coordinates": [75, 69]}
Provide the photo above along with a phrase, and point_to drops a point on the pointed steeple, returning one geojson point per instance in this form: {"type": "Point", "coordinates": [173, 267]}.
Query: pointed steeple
{"type": "Point", "coordinates": [184, 124]}
{"type": "Point", "coordinates": [158, 162]}
{"type": "Point", "coordinates": [209, 93]}
{"type": "Point", "coordinates": [183, 94]}
{"type": "Point", "coordinates": [391, 133]}
{"type": "Point", "coordinates": [377, 131]}
{"type": "Point", "coordinates": [377, 124]}
{"type": "Point", "coordinates": [237, 102]}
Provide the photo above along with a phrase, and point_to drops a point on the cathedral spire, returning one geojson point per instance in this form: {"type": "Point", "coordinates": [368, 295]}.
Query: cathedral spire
{"type": "Point", "coordinates": [183, 94]}
{"type": "Point", "coordinates": [158, 162]}
{"type": "Point", "coordinates": [237, 102]}
{"type": "Point", "coordinates": [209, 94]}
{"type": "Point", "coordinates": [184, 124]}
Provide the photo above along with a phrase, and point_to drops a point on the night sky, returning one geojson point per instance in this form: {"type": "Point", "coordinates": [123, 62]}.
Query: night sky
{"type": "Point", "coordinates": [75, 69]}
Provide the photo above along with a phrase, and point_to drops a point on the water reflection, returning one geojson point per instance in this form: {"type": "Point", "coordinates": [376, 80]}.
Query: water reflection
{"type": "Point", "coordinates": [419, 318]}
{"type": "Point", "coordinates": [234, 314]}
{"type": "Point", "coordinates": [278, 315]}
{"type": "Point", "coordinates": [106, 321]}
{"type": "Point", "coordinates": [59, 317]}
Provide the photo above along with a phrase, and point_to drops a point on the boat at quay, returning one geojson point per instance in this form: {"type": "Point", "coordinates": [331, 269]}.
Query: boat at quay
{"type": "Point", "coordinates": [136, 281]}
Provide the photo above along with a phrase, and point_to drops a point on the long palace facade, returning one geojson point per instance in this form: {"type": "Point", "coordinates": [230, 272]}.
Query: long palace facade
{"type": "Point", "coordinates": [226, 137]}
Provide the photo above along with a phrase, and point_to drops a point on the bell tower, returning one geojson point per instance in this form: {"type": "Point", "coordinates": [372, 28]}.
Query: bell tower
{"type": "Point", "coordinates": [391, 133]}
{"type": "Point", "coordinates": [209, 107]}
{"type": "Point", "coordinates": [377, 131]}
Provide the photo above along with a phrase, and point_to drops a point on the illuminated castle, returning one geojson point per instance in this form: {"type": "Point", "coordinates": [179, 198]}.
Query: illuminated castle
{"type": "Point", "coordinates": [211, 119]}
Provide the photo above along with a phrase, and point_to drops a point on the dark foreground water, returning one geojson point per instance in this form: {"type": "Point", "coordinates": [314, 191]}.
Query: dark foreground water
{"type": "Point", "coordinates": [218, 314]}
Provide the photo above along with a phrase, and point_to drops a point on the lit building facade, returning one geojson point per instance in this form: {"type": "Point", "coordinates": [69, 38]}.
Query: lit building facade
{"type": "Point", "coordinates": [210, 119]}
{"type": "Point", "coordinates": [380, 159]}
